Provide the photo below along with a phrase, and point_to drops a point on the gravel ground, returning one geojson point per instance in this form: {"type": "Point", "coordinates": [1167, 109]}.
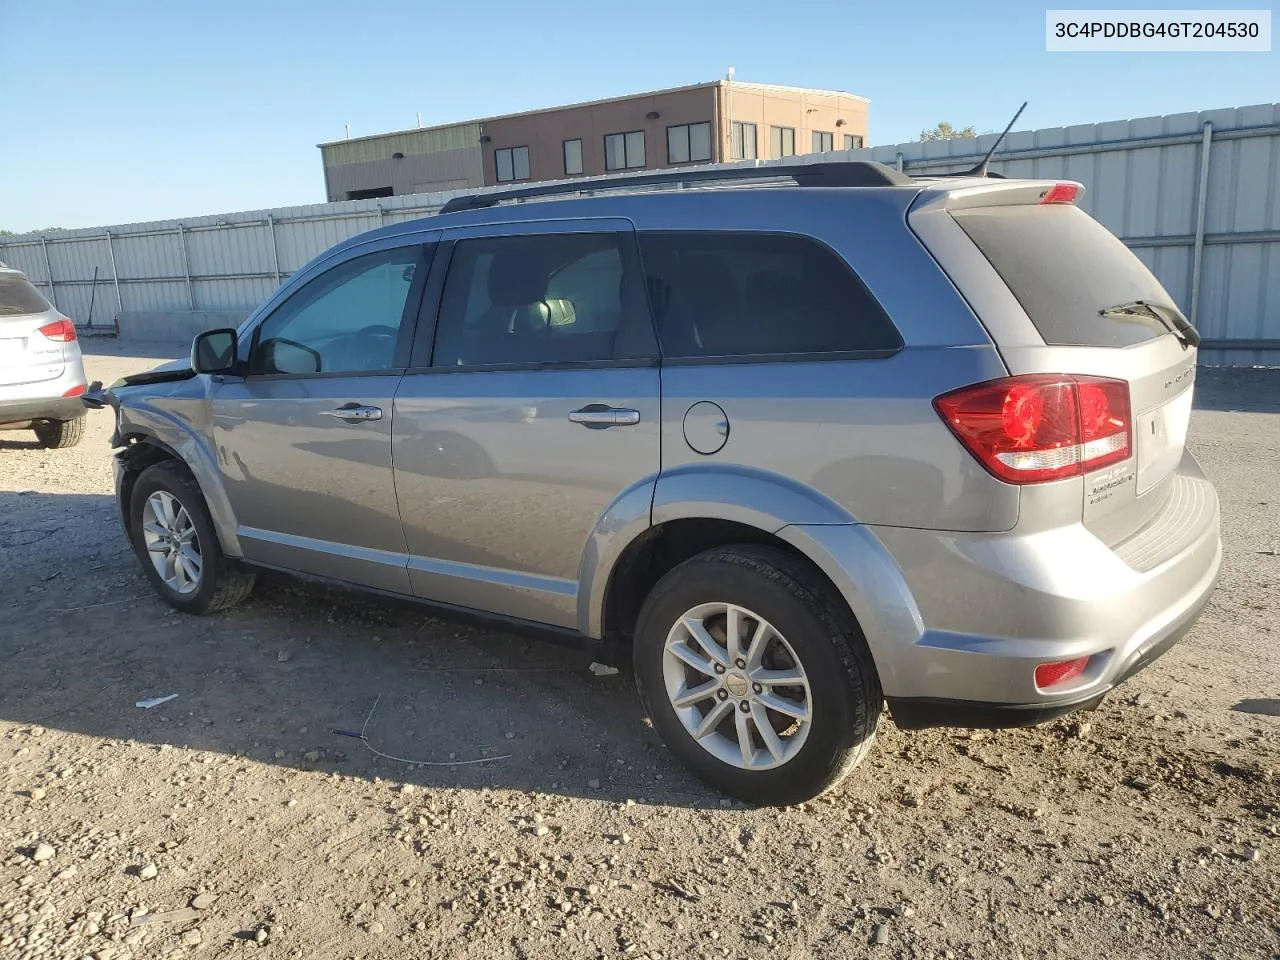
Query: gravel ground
{"type": "Point", "coordinates": [233, 821]}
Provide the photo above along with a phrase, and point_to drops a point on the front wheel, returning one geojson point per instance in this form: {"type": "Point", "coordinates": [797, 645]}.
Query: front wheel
{"type": "Point", "coordinates": [755, 675]}
{"type": "Point", "coordinates": [172, 534]}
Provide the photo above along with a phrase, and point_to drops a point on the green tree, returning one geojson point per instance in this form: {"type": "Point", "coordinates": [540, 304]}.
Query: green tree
{"type": "Point", "coordinates": [945, 131]}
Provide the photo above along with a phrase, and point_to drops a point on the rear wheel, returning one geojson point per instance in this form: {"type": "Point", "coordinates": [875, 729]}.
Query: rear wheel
{"type": "Point", "coordinates": [172, 534]}
{"type": "Point", "coordinates": [59, 433]}
{"type": "Point", "coordinates": [755, 676]}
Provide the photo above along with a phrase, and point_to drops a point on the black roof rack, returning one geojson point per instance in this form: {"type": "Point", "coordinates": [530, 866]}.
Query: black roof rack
{"type": "Point", "coordinates": [847, 173]}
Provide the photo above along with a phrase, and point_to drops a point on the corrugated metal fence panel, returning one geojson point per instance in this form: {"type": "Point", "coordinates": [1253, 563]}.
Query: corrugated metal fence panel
{"type": "Point", "coordinates": [1240, 289]}
{"type": "Point", "coordinates": [30, 260]}
{"type": "Point", "coordinates": [73, 267]}
{"type": "Point", "coordinates": [1142, 178]}
{"type": "Point", "coordinates": [301, 240]}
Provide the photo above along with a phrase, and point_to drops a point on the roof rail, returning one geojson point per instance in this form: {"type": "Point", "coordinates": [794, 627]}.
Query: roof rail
{"type": "Point", "coordinates": [846, 173]}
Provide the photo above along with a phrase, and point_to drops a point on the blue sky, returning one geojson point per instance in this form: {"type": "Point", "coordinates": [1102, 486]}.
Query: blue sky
{"type": "Point", "coordinates": [114, 113]}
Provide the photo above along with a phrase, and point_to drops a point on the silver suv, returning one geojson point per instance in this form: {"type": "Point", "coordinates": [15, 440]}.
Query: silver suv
{"type": "Point", "coordinates": [811, 440]}
{"type": "Point", "coordinates": [41, 370]}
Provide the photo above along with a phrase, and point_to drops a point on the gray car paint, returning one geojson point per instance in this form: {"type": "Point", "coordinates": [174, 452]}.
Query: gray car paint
{"type": "Point", "coordinates": [478, 535]}
{"type": "Point", "coordinates": [958, 579]}
{"type": "Point", "coordinates": [323, 501]}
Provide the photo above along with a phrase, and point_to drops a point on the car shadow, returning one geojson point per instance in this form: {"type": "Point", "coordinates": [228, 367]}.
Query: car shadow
{"type": "Point", "coordinates": [1262, 706]}
{"type": "Point", "coordinates": [291, 675]}
{"type": "Point", "coordinates": [1246, 389]}
{"type": "Point", "coordinates": [9, 440]}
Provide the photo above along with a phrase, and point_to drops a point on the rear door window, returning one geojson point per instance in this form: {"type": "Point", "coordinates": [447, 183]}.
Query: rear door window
{"type": "Point", "coordinates": [18, 296]}
{"type": "Point", "coordinates": [726, 294]}
{"type": "Point", "coordinates": [543, 299]}
{"type": "Point", "coordinates": [1064, 267]}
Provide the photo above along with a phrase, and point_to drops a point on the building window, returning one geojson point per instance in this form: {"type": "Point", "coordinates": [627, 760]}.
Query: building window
{"type": "Point", "coordinates": [689, 143]}
{"type": "Point", "coordinates": [742, 140]}
{"type": "Point", "coordinates": [623, 151]}
{"type": "Point", "coordinates": [823, 142]}
{"type": "Point", "coordinates": [782, 142]}
{"type": "Point", "coordinates": [513, 163]}
{"type": "Point", "coordinates": [852, 141]}
{"type": "Point", "coordinates": [370, 193]}
{"type": "Point", "coordinates": [572, 157]}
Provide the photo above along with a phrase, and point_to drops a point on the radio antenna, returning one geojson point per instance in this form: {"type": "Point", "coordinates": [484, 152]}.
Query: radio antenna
{"type": "Point", "coordinates": [981, 169]}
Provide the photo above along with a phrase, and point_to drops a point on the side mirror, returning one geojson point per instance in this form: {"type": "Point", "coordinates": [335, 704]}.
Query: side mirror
{"type": "Point", "coordinates": [214, 351]}
{"type": "Point", "coordinates": [279, 355]}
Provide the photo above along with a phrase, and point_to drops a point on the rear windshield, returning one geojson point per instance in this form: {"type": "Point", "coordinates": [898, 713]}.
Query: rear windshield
{"type": "Point", "coordinates": [1064, 266]}
{"type": "Point", "coordinates": [18, 296]}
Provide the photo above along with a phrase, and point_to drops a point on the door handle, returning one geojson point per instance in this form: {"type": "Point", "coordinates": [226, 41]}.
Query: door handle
{"type": "Point", "coordinates": [353, 413]}
{"type": "Point", "coordinates": [597, 416]}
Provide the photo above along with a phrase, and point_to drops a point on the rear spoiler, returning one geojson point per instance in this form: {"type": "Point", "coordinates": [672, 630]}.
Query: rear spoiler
{"type": "Point", "coordinates": [996, 193]}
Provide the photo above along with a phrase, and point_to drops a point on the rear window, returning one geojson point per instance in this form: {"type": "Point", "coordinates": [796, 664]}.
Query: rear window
{"type": "Point", "coordinates": [18, 296]}
{"type": "Point", "coordinates": [1064, 267]}
{"type": "Point", "coordinates": [743, 294]}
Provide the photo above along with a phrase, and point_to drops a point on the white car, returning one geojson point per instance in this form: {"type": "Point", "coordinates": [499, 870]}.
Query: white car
{"type": "Point", "coordinates": [41, 370]}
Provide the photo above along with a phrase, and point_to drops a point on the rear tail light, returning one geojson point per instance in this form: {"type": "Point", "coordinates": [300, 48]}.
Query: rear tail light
{"type": "Point", "coordinates": [1040, 427]}
{"type": "Point", "coordinates": [75, 391]}
{"type": "Point", "coordinates": [1061, 193]}
{"type": "Point", "coordinates": [1059, 672]}
{"type": "Point", "coordinates": [62, 330]}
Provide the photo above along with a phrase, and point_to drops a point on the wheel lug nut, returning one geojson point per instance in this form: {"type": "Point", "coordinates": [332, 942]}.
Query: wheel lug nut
{"type": "Point", "coordinates": [744, 706]}
{"type": "Point", "coordinates": [740, 663]}
{"type": "Point", "coordinates": [719, 668]}
{"type": "Point", "coordinates": [756, 688]}
{"type": "Point", "coordinates": [722, 694]}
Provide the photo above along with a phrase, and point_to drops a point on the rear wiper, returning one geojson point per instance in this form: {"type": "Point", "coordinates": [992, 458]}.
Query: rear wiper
{"type": "Point", "coordinates": [1168, 317]}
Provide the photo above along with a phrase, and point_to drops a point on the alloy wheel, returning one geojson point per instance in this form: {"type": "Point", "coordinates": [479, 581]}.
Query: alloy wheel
{"type": "Point", "coordinates": [737, 686]}
{"type": "Point", "coordinates": [172, 542]}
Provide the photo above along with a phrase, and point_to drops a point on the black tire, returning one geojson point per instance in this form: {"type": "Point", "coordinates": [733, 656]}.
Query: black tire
{"type": "Point", "coordinates": [221, 584]}
{"type": "Point", "coordinates": [56, 434]}
{"type": "Point", "coordinates": [846, 700]}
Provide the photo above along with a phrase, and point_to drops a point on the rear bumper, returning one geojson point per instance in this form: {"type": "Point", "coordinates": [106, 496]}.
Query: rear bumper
{"type": "Point", "coordinates": [921, 713]}
{"type": "Point", "coordinates": [918, 713]}
{"type": "Point", "coordinates": [958, 622]}
{"type": "Point", "coordinates": [47, 408]}
{"type": "Point", "coordinates": [46, 399]}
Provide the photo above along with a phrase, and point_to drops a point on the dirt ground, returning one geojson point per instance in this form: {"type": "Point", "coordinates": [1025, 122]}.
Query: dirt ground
{"type": "Point", "coordinates": [233, 821]}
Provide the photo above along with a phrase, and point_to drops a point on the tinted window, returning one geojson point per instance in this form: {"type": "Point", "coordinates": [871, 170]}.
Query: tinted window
{"type": "Point", "coordinates": [18, 296]}
{"type": "Point", "coordinates": [348, 319]}
{"type": "Point", "coordinates": [733, 294]}
{"type": "Point", "coordinates": [542, 299]}
{"type": "Point", "coordinates": [1064, 267]}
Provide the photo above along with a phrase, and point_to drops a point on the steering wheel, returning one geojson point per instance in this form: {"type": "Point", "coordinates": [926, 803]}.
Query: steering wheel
{"type": "Point", "coordinates": [368, 348]}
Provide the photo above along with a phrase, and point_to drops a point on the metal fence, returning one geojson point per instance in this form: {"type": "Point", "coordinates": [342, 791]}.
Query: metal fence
{"type": "Point", "coordinates": [1195, 195]}
{"type": "Point", "coordinates": [226, 262]}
